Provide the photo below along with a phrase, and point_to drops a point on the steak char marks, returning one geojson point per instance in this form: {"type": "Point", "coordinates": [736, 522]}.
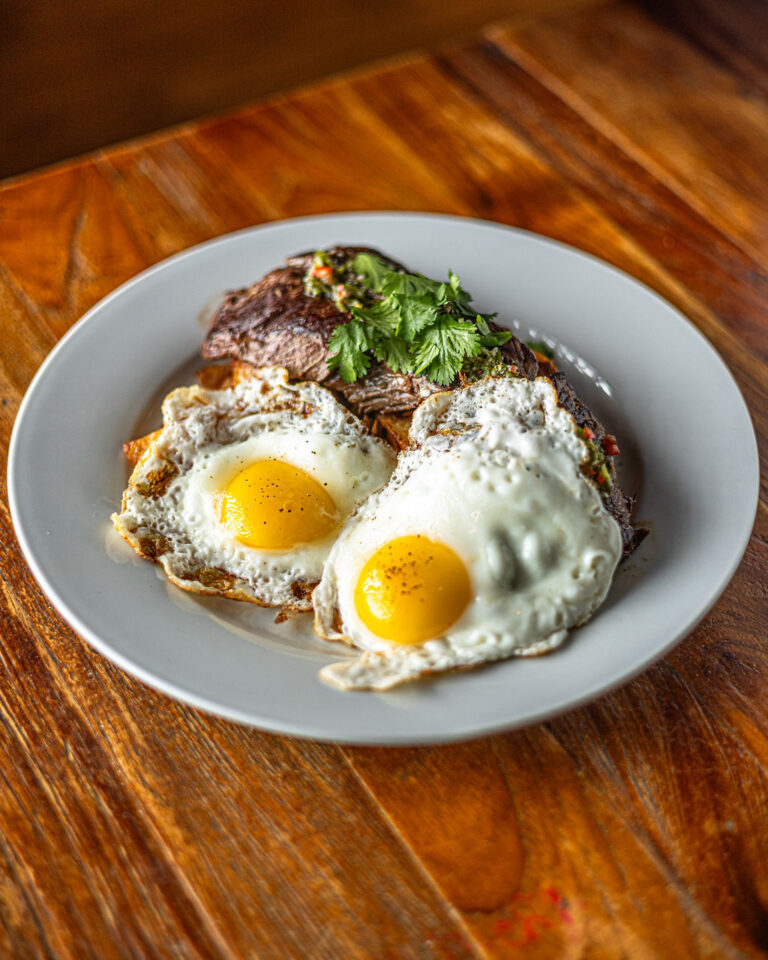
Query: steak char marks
{"type": "Point", "coordinates": [274, 322]}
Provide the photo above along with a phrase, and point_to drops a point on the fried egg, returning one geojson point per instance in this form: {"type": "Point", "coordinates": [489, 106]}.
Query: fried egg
{"type": "Point", "coordinates": [488, 541]}
{"type": "Point", "coordinates": [243, 491]}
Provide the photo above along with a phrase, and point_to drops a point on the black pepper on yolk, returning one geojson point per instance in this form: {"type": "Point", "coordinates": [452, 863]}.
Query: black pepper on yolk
{"type": "Point", "coordinates": [411, 590]}
{"type": "Point", "coordinates": [272, 505]}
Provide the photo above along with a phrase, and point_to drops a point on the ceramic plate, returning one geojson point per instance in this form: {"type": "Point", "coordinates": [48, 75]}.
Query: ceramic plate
{"type": "Point", "coordinates": [650, 376]}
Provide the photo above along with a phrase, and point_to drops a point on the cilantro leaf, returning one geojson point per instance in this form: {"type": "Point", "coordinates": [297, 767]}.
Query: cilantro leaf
{"type": "Point", "coordinates": [409, 284]}
{"type": "Point", "coordinates": [416, 313]}
{"type": "Point", "coordinates": [350, 341]}
{"type": "Point", "coordinates": [394, 353]}
{"type": "Point", "coordinates": [382, 317]}
{"type": "Point", "coordinates": [443, 347]}
{"type": "Point", "coordinates": [371, 268]}
{"type": "Point", "coordinates": [459, 296]}
{"type": "Point", "coordinates": [495, 338]}
{"type": "Point", "coordinates": [482, 324]}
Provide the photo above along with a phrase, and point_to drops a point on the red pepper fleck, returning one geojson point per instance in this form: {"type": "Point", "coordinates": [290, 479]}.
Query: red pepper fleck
{"type": "Point", "coordinates": [322, 273]}
{"type": "Point", "coordinates": [589, 434]}
{"type": "Point", "coordinates": [600, 478]}
{"type": "Point", "coordinates": [610, 446]}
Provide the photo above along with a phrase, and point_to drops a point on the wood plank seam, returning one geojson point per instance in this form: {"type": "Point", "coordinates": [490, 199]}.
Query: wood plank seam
{"type": "Point", "coordinates": [570, 96]}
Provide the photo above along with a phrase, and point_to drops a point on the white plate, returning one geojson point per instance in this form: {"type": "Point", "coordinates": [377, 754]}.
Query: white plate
{"type": "Point", "coordinates": [671, 396]}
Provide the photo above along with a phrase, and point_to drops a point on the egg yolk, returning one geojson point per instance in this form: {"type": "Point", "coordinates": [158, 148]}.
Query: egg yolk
{"type": "Point", "coordinates": [272, 505]}
{"type": "Point", "coordinates": [411, 590]}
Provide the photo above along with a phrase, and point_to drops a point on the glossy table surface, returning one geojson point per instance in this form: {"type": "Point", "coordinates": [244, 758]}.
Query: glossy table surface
{"type": "Point", "coordinates": [134, 826]}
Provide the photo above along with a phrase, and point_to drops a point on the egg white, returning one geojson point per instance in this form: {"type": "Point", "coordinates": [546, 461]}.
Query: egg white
{"type": "Point", "coordinates": [495, 474]}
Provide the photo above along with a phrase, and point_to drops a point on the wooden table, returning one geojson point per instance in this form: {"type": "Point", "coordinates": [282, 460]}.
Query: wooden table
{"type": "Point", "coordinates": [133, 826]}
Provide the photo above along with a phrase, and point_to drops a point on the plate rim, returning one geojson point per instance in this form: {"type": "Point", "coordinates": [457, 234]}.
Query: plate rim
{"type": "Point", "coordinates": [305, 729]}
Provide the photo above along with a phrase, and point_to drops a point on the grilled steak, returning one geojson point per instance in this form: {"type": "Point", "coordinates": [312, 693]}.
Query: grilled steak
{"type": "Point", "coordinates": [275, 322]}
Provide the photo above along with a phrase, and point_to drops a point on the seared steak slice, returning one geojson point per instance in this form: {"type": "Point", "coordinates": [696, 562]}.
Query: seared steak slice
{"type": "Point", "coordinates": [275, 323]}
{"type": "Point", "coordinates": [382, 390]}
{"type": "Point", "coordinates": [525, 360]}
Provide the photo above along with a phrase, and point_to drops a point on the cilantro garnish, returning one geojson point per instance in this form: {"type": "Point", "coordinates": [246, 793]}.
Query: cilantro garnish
{"type": "Point", "coordinates": [411, 323]}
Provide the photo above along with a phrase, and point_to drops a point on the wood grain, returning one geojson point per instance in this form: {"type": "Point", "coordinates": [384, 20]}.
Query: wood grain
{"type": "Point", "coordinates": [133, 826]}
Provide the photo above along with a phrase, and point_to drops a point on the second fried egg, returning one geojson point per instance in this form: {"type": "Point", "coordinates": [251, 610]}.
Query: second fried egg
{"type": "Point", "coordinates": [488, 541]}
